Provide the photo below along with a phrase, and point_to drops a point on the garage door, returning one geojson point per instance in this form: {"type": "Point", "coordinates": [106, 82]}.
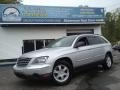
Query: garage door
{"type": "Point", "coordinates": [79, 31]}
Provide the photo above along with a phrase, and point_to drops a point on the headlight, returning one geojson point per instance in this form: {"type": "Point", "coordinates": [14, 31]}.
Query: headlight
{"type": "Point", "coordinates": [41, 59]}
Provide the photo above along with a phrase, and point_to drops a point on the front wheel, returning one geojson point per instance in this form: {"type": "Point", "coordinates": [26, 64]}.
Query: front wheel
{"type": "Point", "coordinates": [62, 73]}
{"type": "Point", "coordinates": [107, 62]}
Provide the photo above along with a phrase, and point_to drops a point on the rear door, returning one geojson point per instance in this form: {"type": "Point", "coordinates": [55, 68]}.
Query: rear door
{"type": "Point", "coordinates": [97, 47]}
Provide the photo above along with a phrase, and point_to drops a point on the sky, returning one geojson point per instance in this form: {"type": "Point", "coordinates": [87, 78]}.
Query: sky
{"type": "Point", "coordinates": [109, 5]}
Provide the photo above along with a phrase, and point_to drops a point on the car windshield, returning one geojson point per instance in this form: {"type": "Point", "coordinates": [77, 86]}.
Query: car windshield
{"type": "Point", "coordinates": [62, 42]}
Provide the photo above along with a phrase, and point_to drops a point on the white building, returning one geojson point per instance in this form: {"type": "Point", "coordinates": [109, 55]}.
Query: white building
{"type": "Point", "coordinates": [28, 28]}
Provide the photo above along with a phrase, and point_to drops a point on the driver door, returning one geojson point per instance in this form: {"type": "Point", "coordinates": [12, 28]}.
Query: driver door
{"type": "Point", "coordinates": [82, 52]}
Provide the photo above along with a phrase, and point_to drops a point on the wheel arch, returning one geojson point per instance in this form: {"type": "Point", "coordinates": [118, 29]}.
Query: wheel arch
{"type": "Point", "coordinates": [67, 59]}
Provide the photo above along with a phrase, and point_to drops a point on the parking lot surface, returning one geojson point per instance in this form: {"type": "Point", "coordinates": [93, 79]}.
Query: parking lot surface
{"type": "Point", "coordinates": [92, 79]}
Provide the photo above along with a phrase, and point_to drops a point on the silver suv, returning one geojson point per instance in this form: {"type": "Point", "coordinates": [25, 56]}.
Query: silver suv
{"type": "Point", "coordinates": [59, 59]}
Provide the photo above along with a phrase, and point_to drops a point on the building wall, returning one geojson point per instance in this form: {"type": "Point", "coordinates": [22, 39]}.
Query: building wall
{"type": "Point", "coordinates": [97, 30]}
{"type": "Point", "coordinates": [11, 38]}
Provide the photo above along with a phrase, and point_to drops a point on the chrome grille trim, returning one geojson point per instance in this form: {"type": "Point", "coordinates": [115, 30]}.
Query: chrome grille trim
{"type": "Point", "coordinates": [23, 61]}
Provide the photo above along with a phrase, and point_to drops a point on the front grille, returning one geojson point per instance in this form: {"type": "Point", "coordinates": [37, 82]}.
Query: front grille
{"type": "Point", "coordinates": [23, 61]}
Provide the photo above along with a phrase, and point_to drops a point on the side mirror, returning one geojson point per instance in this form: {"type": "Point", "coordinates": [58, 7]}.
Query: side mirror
{"type": "Point", "coordinates": [79, 44]}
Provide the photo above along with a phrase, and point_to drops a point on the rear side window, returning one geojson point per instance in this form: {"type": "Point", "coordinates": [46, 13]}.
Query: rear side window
{"type": "Point", "coordinates": [95, 40]}
{"type": "Point", "coordinates": [102, 40]}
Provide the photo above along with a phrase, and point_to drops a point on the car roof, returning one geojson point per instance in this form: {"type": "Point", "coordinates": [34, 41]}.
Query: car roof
{"type": "Point", "coordinates": [85, 35]}
{"type": "Point", "coordinates": [77, 36]}
{"type": "Point", "coordinates": [89, 35]}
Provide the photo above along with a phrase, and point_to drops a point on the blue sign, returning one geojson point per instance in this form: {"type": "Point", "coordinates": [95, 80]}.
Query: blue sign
{"type": "Point", "coordinates": [13, 13]}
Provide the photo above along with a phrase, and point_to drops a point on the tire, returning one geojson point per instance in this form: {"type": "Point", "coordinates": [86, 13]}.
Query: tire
{"type": "Point", "coordinates": [62, 73]}
{"type": "Point", "coordinates": [107, 64]}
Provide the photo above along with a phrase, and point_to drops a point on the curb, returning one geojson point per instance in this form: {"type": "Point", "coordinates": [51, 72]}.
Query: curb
{"type": "Point", "coordinates": [7, 63]}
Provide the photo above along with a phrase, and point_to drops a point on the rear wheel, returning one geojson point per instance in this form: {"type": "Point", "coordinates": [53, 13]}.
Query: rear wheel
{"type": "Point", "coordinates": [62, 73]}
{"type": "Point", "coordinates": [107, 62]}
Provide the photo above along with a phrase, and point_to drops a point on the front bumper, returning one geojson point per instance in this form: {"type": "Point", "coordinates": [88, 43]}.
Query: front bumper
{"type": "Point", "coordinates": [32, 70]}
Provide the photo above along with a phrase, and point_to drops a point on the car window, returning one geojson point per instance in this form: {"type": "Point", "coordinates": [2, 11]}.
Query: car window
{"type": "Point", "coordinates": [62, 42]}
{"type": "Point", "coordinates": [95, 40]}
{"type": "Point", "coordinates": [82, 40]}
{"type": "Point", "coordinates": [102, 40]}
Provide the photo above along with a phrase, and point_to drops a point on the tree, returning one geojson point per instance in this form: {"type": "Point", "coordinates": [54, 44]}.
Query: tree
{"type": "Point", "coordinates": [10, 1]}
{"type": "Point", "coordinates": [111, 29]}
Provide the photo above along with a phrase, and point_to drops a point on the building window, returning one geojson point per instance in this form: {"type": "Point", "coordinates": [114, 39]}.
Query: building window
{"type": "Point", "coordinates": [28, 45]}
{"type": "Point", "coordinates": [39, 44]}
{"type": "Point", "coordinates": [32, 45]}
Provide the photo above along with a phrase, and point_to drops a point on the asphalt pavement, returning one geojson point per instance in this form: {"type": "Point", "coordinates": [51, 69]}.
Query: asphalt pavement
{"type": "Point", "coordinates": [92, 79]}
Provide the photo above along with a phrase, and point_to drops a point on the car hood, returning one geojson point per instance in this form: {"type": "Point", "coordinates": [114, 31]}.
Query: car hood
{"type": "Point", "coordinates": [46, 52]}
